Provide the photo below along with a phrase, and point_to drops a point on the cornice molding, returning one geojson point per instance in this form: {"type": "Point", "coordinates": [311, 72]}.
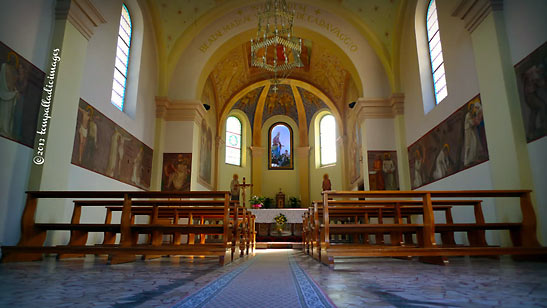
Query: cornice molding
{"type": "Point", "coordinates": [180, 110]}
{"type": "Point", "coordinates": [379, 108]}
{"type": "Point", "coordinates": [82, 14]}
{"type": "Point", "coordinates": [473, 12]}
{"type": "Point", "coordinates": [257, 151]}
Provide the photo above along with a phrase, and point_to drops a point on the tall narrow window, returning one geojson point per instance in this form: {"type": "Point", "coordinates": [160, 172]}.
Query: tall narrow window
{"type": "Point", "coordinates": [436, 53]}
{"type": "Point", "coordinates": [122, 59]}
{"type": "Point", "coordinates": [327, 140]}
{"type": "Point", "coordinates": [233, 141]}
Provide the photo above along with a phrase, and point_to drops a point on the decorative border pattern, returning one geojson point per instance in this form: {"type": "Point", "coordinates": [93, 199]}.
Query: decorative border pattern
{"type": "Point", "coordinates": [205, 294]}
{"type": "Point", "coordinates": [308, 291]}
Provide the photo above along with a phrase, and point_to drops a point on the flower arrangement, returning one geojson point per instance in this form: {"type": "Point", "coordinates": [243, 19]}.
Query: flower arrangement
{"type": "Point", "coordinates": [280, 219]}
{"type": "Point", "coordinates": [256, 202]}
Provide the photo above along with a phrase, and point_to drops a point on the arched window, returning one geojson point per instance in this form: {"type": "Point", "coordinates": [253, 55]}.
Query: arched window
{"type": "Point", "coordinates": [122, 59]}
{"type": "Point", "coordinates": [327, 140]}
{"type": "Point", "coordinates": [436, 53]}
{"type": "Point", "coordinates": [280, 147]}
{"type": "Point", "coordinates": [233, 141]}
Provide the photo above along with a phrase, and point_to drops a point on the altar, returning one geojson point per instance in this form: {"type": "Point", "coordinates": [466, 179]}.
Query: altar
{"type": "Point", "coordinates": [265, 225]}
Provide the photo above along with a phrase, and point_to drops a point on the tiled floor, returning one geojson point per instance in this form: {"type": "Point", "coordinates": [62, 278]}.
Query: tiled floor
{"type": "Point", "coordinates": [475, 282]}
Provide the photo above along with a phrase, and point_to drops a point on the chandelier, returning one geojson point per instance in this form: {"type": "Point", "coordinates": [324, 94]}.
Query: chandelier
{"type": "Point", "coordinates": [275, 49]}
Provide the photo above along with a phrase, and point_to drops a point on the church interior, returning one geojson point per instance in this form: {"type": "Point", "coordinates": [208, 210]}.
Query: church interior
{"type": "Point", "coordinates": [184, 153]}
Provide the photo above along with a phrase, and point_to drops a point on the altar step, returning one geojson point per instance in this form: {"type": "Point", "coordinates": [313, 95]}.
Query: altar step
{"type": "Point", "coordinates": [278, 245]}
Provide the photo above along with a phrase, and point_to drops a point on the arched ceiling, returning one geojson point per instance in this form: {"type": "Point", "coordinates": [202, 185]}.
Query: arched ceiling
{"type": "Point", "coordinates": [176, 16]}
{"type": "Point", "coordinates": [178, 23]}
{"type": "Point", "coordinates": [321, 68]}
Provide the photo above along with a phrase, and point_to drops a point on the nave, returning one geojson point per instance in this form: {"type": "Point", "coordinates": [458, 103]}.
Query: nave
{"type": "Point", "coordinates": [371, 282]}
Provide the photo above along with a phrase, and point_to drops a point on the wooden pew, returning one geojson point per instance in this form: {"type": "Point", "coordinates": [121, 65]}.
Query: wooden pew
{"type": "Point", "coordinates": [523, 234]}
{"type": "Point", "coordinates": [30, 246]}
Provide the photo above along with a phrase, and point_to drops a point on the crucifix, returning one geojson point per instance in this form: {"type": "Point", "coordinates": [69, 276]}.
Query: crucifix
{"type": "Point", "coordinates": [244, 187]}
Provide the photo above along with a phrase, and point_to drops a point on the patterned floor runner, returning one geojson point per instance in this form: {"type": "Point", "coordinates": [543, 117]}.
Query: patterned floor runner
{"type": "Point", "coordinates": [270, 279]}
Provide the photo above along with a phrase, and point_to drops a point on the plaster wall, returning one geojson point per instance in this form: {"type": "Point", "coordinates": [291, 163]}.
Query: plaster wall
{"type": "Point", "coordinates": [31, 39]}
{"type": "Point", "coordinates": [524, 38]}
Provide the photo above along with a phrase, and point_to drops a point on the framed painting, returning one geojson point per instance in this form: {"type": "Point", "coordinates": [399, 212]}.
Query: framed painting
{"type": "Point", "coordinates": [280, 147]}
{"type": "Point", "coordinates": [21, 86]}
{"type": "Point", "coordinates": [531, 75]}
{"type": "Point", "coordinates": [176, 171]}
{"type": "Point", "coordinates": [205, 151]}
{"type": "Point", "coordinates": [102, 146]}
{"type": "Point", "coordinates": [382, 170]}
{"type": "Point", "coordinates": [457, 143]}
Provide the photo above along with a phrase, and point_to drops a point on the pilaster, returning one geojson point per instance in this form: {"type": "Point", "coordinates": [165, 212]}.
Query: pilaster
{"type": "Point", "coordinates": [256, 168]}
{"type": "Point", "coordinates": [303, 156]}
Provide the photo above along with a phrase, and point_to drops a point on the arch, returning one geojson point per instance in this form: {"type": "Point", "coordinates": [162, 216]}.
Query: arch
{"type": "Point", "coordinates": [257, 133]}
{"type": "Point", "coordinates": [244, 37]}
{"type": "Point", "coordinates": [204, 26]}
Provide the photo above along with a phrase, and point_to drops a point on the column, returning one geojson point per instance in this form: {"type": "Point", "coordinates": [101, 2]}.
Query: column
{"type": "Point", "coordinates": [403, 169]}
{"type": "Point", "coordinates": [303, 157]}
{"type": "Point", "coordinates": [159, 140]}
{"type": "Point", "coordinates": [74, 24]}
{"type": "Point", "coordinates": [75, 21]}
{"type": "Point", "coordinates": [256, 169]}
{"type": "Point", "coordinates": [507, 148]}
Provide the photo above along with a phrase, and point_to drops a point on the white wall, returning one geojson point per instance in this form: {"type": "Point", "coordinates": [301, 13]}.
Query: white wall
{"type": "Point", "coordinates": [31, 39]}
{"type": "Point", "coordinates": [525, 24]}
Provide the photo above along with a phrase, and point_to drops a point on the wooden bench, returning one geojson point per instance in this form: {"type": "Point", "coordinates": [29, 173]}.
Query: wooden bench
{"type": "Point", "coordinates": [523, 234]}
{"type": "Point", "coordinates": [33, 235]}
{"type": "Point", "coordinates": [362, 211]}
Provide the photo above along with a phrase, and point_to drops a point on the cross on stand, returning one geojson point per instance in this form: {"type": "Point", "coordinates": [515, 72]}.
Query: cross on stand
{"type": "Point", "coordinates": [244, 187]}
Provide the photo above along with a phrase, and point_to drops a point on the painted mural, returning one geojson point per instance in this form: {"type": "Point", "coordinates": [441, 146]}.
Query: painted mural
{"type": "Point", "coordinates": [532, 85]}
{"type": "Point", "coordinates": [457, 143]}
{"type": "Point", "coordinates": [248, 104]}
{"type": "Point", "coordinates": [100, 145]}
{"type": "Point", "coordinates": [312, 104]}
{"type": "Point", "coordinates": [382, 170]}
{"type": "Point", "coordinates": [280, 150]}
{"type": "Point", "coordinates": [206, 150]}
{"type": "Point", "coordinates": [21, 86]}
{"type": "Point", "coordinates": [280, 102]}
{"type": "Point", "coordinates": [177, 171]}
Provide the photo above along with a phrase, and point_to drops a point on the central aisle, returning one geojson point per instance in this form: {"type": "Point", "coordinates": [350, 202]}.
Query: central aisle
{"type": "Point", "coordinates": [269, 279]}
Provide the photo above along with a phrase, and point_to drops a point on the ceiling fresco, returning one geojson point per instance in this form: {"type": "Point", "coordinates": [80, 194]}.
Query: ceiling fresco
{"type": "Point", "coordinates": [324, 70]}
{"type": "Point", "coordinates": [280, 102]}
{"type": "Point", "coordinates": [312, 104]}
{"type": "Point", "coordinates": [248, 103]}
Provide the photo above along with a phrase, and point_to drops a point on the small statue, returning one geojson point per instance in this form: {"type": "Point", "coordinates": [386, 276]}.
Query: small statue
{"type": "Point", "coordinates": [234, 187]}
{"type": "Point", "coordinates": [326, 182]}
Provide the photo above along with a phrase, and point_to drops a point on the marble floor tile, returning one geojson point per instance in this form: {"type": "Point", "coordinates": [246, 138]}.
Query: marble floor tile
{"type": "Point", "coordinates": [364, 282]}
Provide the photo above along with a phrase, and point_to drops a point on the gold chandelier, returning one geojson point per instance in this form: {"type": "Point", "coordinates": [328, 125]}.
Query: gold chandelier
{"type": "Point", "coordinates": [275, 49]}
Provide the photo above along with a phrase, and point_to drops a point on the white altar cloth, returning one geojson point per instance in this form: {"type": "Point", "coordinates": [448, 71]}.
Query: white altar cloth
{"type": "Point", "coordinates": [294, 216]}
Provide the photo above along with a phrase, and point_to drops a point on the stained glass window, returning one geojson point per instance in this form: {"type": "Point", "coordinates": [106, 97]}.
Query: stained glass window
{"type": "Point", "coordinates": [327, 140]}
{"type": "Point", "coordinates": [233, 141]}
{"type": "Point", "coordinates": [436, 53]}
{"type": "Point", "coordinates": [122, 59]}
{"type": "Point", "coordinates": [280, 147]}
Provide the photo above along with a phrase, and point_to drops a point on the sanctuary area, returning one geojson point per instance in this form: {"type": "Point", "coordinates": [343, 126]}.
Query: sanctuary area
{"type": "Point", "coordinates": [259, 153]}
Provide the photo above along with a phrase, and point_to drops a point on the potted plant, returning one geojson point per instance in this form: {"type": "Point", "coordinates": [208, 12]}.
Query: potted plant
{"type": "Point", "coordinates": [256, 202]}
{"type": "Point", "coordinates": [280, 221]}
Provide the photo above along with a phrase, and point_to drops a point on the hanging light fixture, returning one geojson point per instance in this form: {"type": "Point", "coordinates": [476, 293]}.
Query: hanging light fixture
{"type": "Point", "coordinates": [275, 49]}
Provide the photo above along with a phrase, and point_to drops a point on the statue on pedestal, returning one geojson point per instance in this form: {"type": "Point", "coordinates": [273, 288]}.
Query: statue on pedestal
{"type": "Point", "coordinates": [235, 187]}
{"type": "Point", "coordinates": [326, 182]}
